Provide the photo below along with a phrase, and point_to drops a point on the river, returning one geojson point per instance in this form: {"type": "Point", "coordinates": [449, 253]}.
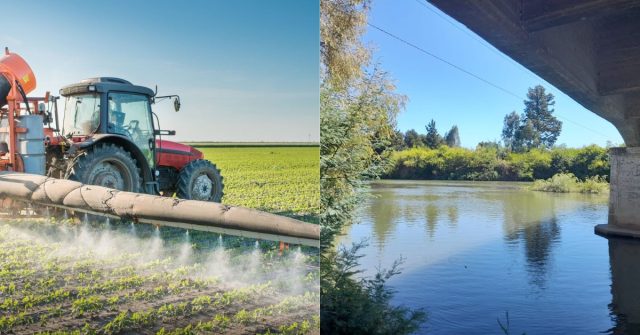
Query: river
{"type": "Point", "coordinates": [475, 251]}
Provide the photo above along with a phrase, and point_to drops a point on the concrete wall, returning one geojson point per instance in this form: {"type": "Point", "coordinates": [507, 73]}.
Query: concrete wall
{"type": "Point", "coordinates": [624, 198]}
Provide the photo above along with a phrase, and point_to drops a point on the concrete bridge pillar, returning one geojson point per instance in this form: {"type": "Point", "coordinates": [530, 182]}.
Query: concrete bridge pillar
{"type": "Point", "coordinates": [625, 293]}
{"type": "Point", "coordinates": [624, 197]}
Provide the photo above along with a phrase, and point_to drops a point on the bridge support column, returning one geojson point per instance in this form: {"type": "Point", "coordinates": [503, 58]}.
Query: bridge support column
{"type": "Point", "coordinates": [625, 276]}
{"type": "Point", "coordinates": [624, 197]}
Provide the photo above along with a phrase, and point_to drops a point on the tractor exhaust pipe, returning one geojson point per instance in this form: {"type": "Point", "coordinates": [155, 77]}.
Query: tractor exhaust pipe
{"type": "Point", "coordinates": [164, 211]}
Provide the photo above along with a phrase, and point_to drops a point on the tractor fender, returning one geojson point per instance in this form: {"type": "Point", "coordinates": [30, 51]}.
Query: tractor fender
{"type": "Point", "coordinates": [127, 144]}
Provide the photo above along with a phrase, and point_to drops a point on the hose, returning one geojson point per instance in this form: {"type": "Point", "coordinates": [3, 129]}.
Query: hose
{"type": "Point", "coordinates": [187, 214]}
{"type": "Point", "coordinates": [24, 96]}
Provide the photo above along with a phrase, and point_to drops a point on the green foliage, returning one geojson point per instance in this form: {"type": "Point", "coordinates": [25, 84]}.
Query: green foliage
{"type": "Point", "coordinates": [538, 110]}
{"type": "Point", "coordinates": [412, 139]}
{"type": "Point", "coordinates": [595, 185]}
{"type": "Point", "coordinates": [567, 182]}
{"type": "Point", "coordinates": [275, 179]}
{"type": "Point", "coordinates": [452, 137]}
{"type": "Point", "coordinates": [559, 183]}
{"type": "Point", "coordinates": [88, 304]}
{"type": "Point", "coordinates": [433, 138]}
{"type": "Point", "coordinates": [536, 127]}
{"type": "Point", "coordinates": [69, 288]}
{"type": "Point", "coordinates": [356, 305]}
{"type": "Point", "coordinates": [491, 162]}
{"type": "Point", "coordinates": [357, 126]}
{"type": "Point", "coordinates": [510, 129]}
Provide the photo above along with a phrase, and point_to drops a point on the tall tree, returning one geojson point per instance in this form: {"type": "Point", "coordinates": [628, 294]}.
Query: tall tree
{"type": "Point", "coordinates": [539, 110]}
{"type": "Point", "coordinates": [536, 126]}
{"type": "Point", "coordinates": [526, 137]}
{"type": "Point", "coordinates": [398, 141]}
{"type": "Point", "coordinates": [510, 128]}
{"type": "Point", "coordinates": [452, 137]}
{"type": "Point", "coordinates": [433, 139]}
{"type": "Point", "coordinates": [342, 23]}
{"type": "Point", "coordinates": [357, 126]}
{"type": "Point", "coordinates": [412, 139]}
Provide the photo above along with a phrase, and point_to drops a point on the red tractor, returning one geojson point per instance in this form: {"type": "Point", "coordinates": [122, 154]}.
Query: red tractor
{"type": "Point", "coordinates": [110, 137]}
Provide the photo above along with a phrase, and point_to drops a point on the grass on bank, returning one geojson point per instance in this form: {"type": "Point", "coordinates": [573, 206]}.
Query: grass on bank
{"type": "Point", "coordinates": [567, 182]}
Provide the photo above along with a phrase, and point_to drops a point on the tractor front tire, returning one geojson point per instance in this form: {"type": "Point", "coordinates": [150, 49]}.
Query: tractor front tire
{"type": "Point", "coordinates": [107, 165]}
{"type": "Point", "coordinates": [200, 180]}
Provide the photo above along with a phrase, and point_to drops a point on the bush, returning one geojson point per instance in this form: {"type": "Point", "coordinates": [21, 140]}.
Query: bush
{"type": "Point", "coordinates": [595, 184]}
{"type": "Point", "coordinates": [560, 183]}
{"type": "Point", "coordinates": [353, 304]}
{"type": "Point", "coordinates": [567, 182]}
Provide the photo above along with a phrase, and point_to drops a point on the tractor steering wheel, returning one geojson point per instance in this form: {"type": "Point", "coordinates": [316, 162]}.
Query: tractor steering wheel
{"type": "Point", "coordinates": [134, 131]}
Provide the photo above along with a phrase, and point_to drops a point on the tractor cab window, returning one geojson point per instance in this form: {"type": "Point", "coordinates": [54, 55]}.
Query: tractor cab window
{"type": "Point", "coordinates": [130, 115]}
{"type": "Point", "coordinates": [81, 114]}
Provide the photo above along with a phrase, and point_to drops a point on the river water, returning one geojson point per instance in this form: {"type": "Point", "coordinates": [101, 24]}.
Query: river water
{"type": "Point", "coordinates": [475, 251]}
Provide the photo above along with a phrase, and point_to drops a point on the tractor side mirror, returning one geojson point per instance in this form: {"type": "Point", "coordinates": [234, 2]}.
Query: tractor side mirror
{"type": "Point", "coordinates": [176, 104]}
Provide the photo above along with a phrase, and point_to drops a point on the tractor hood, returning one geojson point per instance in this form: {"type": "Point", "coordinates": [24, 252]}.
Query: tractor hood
{"type": "Point", "coordinates": [169, 147]}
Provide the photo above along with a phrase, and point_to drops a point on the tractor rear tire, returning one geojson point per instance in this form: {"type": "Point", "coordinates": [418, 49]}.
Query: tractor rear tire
{"type": "Point", "coordinates": [107, 165]}
{"type": "Point", "coordinates": [200, 180]}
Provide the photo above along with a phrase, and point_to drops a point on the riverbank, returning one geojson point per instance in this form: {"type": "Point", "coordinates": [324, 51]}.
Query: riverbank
{"type": "Point", "coordinates": [496, 163]}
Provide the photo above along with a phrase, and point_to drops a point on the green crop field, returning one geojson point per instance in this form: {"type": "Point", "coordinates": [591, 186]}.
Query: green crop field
{"type": "Point", "coordinates": [275, 179]}
{"type": "Point", "coordinates": [89, 275]}
{"type": "Point", "coordinates": [70, 277]}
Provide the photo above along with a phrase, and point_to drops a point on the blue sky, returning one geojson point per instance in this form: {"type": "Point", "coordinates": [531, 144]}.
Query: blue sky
{"type": "Point", "coordinates": [245, 70]}
{"type": "Point", "coordinates": [440, 92]}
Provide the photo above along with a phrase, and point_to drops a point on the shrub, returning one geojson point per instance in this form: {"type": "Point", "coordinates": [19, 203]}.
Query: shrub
{"type": "Point", "coordinates": [567, 182]}
{"type": "Point", "coordinates": [595, 184]}
{"type": "Point", "coordinates": [560, 183]}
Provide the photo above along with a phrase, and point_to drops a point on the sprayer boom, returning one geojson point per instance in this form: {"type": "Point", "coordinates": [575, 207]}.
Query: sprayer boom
{"type": "Point", "coordinates": [163, 211]}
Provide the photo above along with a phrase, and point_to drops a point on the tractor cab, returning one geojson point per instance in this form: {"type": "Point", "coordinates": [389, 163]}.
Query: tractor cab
{"type": "Point", "coordinates": [110, 107]}
{"type": "Point", "coordinates": [108, 125]}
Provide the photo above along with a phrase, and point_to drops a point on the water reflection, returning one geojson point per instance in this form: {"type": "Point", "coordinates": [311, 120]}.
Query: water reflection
{"type": "Point", "coordinates": [476, 250]}
{"type": "Point", "coordinates": [539, 240]}
{"type": "Point", "coordinates": [431, 213]}
{"type": "Point", "coordinates": [528, 217]}
{"type": "Point", "coordinates": [452, 215]}
{"type": "Point", "coordinates": [624, 255]}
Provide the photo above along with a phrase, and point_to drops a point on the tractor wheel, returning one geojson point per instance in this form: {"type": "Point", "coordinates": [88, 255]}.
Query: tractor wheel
{"type": "Point", "coordinates": [107, 165]}
{"type": "Point", "coordinates": [200, 180]}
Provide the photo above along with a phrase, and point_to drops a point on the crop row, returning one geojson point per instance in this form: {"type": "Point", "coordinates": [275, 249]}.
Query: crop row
{"type": "Point", "coordinates": [304, 302]}
{"type": "Point", "coordinates": [91, 304]}
{"type": "Point", "coordinates": [131, 321]}
{"type": "Point", "coordinates": [84, 293]}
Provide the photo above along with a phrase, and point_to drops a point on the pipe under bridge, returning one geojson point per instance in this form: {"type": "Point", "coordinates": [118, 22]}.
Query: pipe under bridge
{"type": "Point", "coordinates": [590, 50]}
{"type": "Point", "coordinates": [158, 210]}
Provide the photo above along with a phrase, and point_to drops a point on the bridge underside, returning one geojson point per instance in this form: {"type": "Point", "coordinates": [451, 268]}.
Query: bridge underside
{"type": "Point", "coordinates": [590, 50]}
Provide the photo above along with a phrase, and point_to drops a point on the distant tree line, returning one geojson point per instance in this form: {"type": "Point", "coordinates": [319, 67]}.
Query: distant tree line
{"type": "Point", "coordinates": [492, 161]}
{"type": "Point", "coordinates": [431, 139]}
{"type": "Point", "coordinates": [527, 151]}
